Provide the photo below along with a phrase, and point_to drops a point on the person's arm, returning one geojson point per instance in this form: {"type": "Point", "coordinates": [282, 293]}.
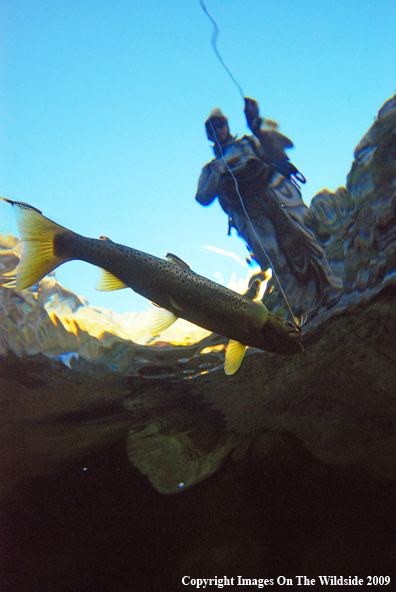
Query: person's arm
{"type": "Point", "coordinates": [271, 140]}
{"type": "Point", "coordinates": [207, 186]}
{"type": "Point", "coordinates": [253, 118]}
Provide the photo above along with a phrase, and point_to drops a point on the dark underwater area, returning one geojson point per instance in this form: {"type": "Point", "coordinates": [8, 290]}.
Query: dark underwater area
{"type": "Point", "coordinates": [107, 529]}
{"type": "Point", "coordinates": [126, 466]}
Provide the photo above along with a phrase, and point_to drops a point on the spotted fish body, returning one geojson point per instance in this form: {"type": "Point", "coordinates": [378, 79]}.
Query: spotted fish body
{"type": "Point", "coordinates": [171, 286]}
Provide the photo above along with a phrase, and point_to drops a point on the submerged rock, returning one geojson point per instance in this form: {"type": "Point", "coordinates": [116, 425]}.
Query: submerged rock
{"type": "Point", "coordinates": [360, 220]}
{"type": "Point", "coordinates": [74, 378]}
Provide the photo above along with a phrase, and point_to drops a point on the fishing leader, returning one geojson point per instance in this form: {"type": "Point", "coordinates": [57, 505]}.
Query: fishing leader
{"type": "Point", "coordinates": [257, 187]}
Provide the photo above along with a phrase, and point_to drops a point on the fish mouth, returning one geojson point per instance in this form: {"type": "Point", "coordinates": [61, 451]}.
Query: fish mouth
{"type": "Point", "coordinates": [296, 338]}
{"type": "Point", "coordinates": [281, 337]}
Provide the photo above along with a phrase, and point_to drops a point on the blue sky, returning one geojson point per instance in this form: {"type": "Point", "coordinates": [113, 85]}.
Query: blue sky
{"type": "Point", "coordinates": [103, 105]}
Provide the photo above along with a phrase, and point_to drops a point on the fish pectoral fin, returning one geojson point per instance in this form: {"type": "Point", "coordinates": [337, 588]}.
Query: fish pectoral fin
{"type": "Point", "coordinates": [160, 319]}
{"type": "Point", "coordinates": [234, 356]}
{"type": "Point", "coordinates": [108, 282]}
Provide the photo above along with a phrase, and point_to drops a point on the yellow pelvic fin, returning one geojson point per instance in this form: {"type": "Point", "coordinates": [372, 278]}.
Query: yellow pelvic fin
{"type": "Point", "coordinates": [160, 319]}
{"type": "Point", "coordinates": [108, 282]}
{"type": "Point", "coordinates": [234, 356]}
{"type": "Point", "coordinates": [37, 234]}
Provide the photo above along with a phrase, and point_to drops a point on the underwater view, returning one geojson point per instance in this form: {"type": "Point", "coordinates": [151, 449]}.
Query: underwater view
{"type": "Point", "coordinates": [229, 421]}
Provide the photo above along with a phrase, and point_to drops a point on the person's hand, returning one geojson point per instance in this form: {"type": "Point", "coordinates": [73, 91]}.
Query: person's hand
{"type": "Point", "coordinates": [251, 108]}
{"type": "Point", "coordinates": [231, 162]}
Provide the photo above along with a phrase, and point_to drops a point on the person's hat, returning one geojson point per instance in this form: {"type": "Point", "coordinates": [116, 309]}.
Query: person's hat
{"type": "Point", "coordinates": [215, 114]}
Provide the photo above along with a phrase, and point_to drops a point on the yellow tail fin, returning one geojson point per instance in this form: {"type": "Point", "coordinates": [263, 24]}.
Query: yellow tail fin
{"type": "Point", "coordinates": [37, 234]}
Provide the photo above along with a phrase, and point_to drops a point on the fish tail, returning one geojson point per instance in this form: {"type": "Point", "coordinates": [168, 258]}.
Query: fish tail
{"type": "Point", "coordinates": [37, 234]}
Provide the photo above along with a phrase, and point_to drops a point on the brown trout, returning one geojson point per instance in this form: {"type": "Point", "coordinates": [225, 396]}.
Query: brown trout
{"type": "Point", "coordinates": [169, 283]}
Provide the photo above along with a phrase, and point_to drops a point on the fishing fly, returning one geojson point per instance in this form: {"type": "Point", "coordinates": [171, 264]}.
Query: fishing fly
{"type": "Point", "coordinates": [214, 38]}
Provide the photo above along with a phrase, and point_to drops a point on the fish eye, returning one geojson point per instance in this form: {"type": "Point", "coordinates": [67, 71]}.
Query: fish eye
{"type": "Point", "coordinates": [294, 326]}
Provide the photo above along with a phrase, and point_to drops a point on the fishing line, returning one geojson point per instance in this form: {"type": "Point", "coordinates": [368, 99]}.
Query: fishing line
{"type": "Point", "coordinates": [214, 38]}
{"type": "Point", "coordinates": [252, 227]}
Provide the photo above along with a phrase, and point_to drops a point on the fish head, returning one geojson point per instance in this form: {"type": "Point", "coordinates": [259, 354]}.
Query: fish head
{"type": "Point", "coordinates": [281, 336]}
{"type": "Point", "coordinates": [272, 333]}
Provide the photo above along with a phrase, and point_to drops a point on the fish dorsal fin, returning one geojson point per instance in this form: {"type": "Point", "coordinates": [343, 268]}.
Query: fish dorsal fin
{"type": "Point", "coordinates": [108, 282]}
{"type": "Point", "coordinates": [159, 320]}
{"type": "Point", "coordinates": [176, 260]}
{"type": "Point", "coordinates": [234, 356]}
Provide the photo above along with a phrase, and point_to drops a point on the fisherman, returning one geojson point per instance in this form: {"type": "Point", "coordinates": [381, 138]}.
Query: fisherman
{"type": "Point", "coordinates": [277, 226]}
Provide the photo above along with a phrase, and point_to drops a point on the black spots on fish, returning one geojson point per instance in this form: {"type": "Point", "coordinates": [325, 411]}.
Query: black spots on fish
{"type": "Point", "coordinates": [182, 278]}
{"type": "Point", "coordinates": [61, 244]}
{"type": "Point", "coordinates": [142, 257]}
